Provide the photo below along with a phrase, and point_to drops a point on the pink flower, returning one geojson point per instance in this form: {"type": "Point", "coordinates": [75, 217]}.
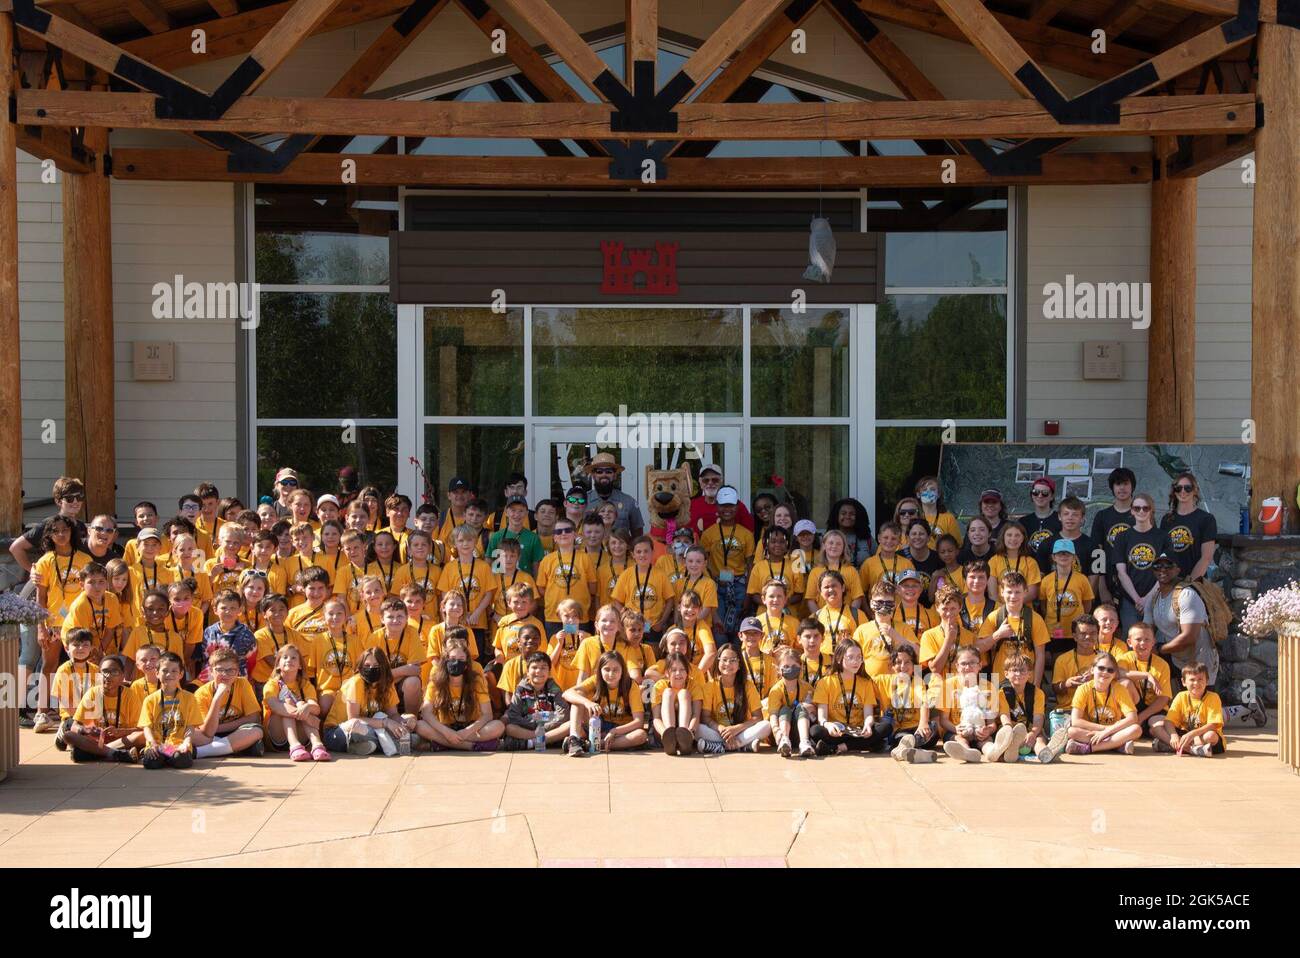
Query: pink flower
{"type": "Point", "coordinates": [778, 481]}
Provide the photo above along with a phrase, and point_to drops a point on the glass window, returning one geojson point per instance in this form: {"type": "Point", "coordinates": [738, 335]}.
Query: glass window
{"type": "Point", "coordinates": [482, 455]}
{"type": "Point", "coordinates": [317, 236]}
{"type": "Point", "coordinates": [926, 260]}
{"type": "Point", "coordinates": [799, 363]}
{"type": "Point", "coordinates": [326, 355]}
{"type": "Point", "coordinates": [568, 462]}
{"type": "Point", "coordinates": [319, 452]}
{"type": "Point", "coordinates": [941, 357]}
{"type": "Point", "coordinates": [807, 464]}
{"type": "Point", "coordinates": [906, 453]}
{"type": "Point", "coordinates": [473, 362]}
{"type": "Point", "coordinates": [590, 361]}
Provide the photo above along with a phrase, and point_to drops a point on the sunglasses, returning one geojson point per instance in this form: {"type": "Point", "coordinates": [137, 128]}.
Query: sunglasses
{"type": "Point", "coordinates": [575, 500]}
{"type": "Point", "coordinates": [288, 482]}
{"type": "Point", "coordinates": [254, 574]}
{"type": "Point", "coordinates": [1040, 493]}
{"type": "Point", "coordinates": [1182, 487]}
{"type": "Point", "coordinates": [564, 532]}
{"type": "Point", "coordinates": [604, 471]}
{"type": "Point", "coordinates": [907, 512]}
{"type": "Point", "coordinates": [1141, 508]}
{"type": "Point", "coordinates": [882, 606]}
{"type": "Point", "coordinates": [74, 497]}
{"type": "Point", "coordinates": [1104, 668]}
{"type": "Point", "coordinates": [106, 530]}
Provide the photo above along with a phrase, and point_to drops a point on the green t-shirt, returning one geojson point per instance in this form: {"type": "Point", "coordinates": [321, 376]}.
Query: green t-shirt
{"type": "Point", "coordinates": [531, 552]}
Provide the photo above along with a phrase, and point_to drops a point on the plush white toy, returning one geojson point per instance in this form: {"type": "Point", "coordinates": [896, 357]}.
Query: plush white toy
{"type": "Point", "coordinates": [972, 707]}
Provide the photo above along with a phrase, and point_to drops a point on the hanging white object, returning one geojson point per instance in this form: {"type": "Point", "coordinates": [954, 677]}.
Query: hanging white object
{"type": "Point", "coordinates": [821, 251]}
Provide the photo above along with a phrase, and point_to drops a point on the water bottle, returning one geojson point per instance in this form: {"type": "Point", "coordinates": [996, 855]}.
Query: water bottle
{"type": "Point", "coordinates": [539, 736]}
{"type": "Point", "coordinates": [593, 733]}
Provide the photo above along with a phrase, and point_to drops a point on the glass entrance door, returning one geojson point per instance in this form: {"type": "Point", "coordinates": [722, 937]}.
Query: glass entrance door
{"type": "Point", "coordinates": [561, 454]}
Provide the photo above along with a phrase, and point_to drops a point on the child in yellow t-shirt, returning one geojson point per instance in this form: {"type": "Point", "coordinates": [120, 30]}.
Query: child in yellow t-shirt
{"type": "Point", "coordinates": [645, 589]}
{"type": "Point", "coordinates": [367, 713]}
{"type": "Point", "coordinates": [1103, 716]}
{"type": "Point", "coordinates": [1197, 715]}
{"type": "Point", "coordinates": [97, 610]}
{"type": "Point", "coordinates": [522, 602]}
{"type": "Point", "coordinates": [528, 640]}
{"type": "Point", "coordinates": [334, 654]}
{"type": "Point", "coordinates": [779, 628]}
{"type": "Point", "coordinates": [703, 649]}
{"type": "Point", "coordinates": [564, 644]}
{"type": "Point", "coordinates": [847, 713]}
{"type": "Point", "coordinates": [789, 702]}
{"type": "Point", "coordinates": [1109, 640]}
{"type": "Point", "coordinates": [1074, 668]}
{"type": "Point", "coordinates": [271, 638]}
{"type": "Point", "coordinates": [73, 679]}
{"type": "Point", "coordinates": [106, 722]}
{"type": "Point", "coordinates": [677, 706]}
{"type": "Point", "coordinates": [1024, 714]}
{"type": "Point", "coordinates": [905, 705]}
{"type": "Point", "coordinates": [506, 574]}
{"type": "Point", "coordinates": [457, 709]}
{"type": "Point", "coordinates": [608, 704]}
{"type": "Point", "coordinates": [146, 671]}
{"type": "Point", "coordinates": [120, 587]}
{"type": "Point", "coordinates": [1064, 594]}
{"type": "Point", "coordinates": [290, 709]}
{"type": "Point", "coordinates": [154, 628]}
{"type": "Point", "coordinates": [170, 719]}
{"type": "Point", "coordinates": [232, 716]}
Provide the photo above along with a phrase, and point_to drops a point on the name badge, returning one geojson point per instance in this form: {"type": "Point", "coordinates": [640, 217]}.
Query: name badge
{"type": "Point", "coordinates": [726, 575]}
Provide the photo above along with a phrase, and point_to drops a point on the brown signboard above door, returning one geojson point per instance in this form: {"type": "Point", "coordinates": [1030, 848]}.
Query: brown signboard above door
{"type": "Point", "coordinates": [580, 268]}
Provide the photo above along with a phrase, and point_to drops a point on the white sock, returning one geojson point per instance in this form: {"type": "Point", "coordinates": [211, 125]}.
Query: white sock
{"type": "Point", "coordinates": [220, 746]}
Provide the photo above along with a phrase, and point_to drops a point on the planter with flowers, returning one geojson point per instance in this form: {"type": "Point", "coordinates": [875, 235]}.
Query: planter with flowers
{"type": "Point", "coordinates": [1278, 611]}
{"type": "Point", "coordinates": [15, 612]}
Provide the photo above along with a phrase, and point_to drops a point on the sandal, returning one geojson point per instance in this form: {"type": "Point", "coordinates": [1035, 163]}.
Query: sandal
{"type": "Point", "coordinates": [299, 753]}
{"type": "Point", "coordinates": [685, 741]}
{"type": "Point", "coordinates": [671, 745]}
{"type": "Point", "coordinates": [321, 754]}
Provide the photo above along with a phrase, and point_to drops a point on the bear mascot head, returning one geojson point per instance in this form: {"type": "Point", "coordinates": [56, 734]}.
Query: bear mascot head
{"type": "Point", "coordinates": [668, 500]}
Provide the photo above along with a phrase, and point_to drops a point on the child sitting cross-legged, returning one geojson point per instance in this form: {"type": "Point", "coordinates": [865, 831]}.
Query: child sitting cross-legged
{"type": "Point", "coordinates": [291, 710]}
{"type": "Point", "coordinates": [1196, 715]}
{"type": "Point", "coordinates": [170, 719]}
{"type": "Point", "coordinates": [537, 702]}
{"type": "Point", "coordinates": [1103, 717]}
{"type": "Point", "coordinates": [232, 718]}
{"type": "Point", "coordinates": [107, 718]}
{"type": "Point", "coordinates": [457, 710]}
{"type": "Point", "coordinates": [1022, 707]}
{"type": "Point", "coordinates": [967, 713]}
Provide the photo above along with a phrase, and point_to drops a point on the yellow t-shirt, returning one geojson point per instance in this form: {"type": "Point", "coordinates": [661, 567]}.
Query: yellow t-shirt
{"type": "Point", "coordinates": [816, 669]}
{"type": "Point", "coordinates": [945, 696]}
{"type": "Point", "coordinates": [1069, 664]}
{"type": "Point", "coordinates": [241, 700]}
{"type": "Point", "coordinates": [696, 679]}
{"type": "Point", "coordinates": [338, 566]}
{"type": "Point", "coordinates": [98, 617]}
{"type": "Point", "coordinates": [457, 712]}
{"type": "Point", "coordinates": [202, 583]}
{"type": "Point", "coordinates": [779, 697]}
{"type": "Point", "coordinates": [726, 710]}
{"type": "Point", "coordinates": [784, 571]}
{"type": "Point", "coordinates": [607, 576]}
{"type": "Point", "coordinates": [306, 621]}
{"type": "Point", "coordinates": [426, 576]}
{"type": "Point", "coordinates": [1063, 602]}
{"type": "Point", "coordinates": [852, 583]}
{"type": "Point", "coordinates": [1017, 711]}
{"type": "Point", "coordinates": [778, 630]}
{"type": "Point", "coordinates": [356, 691]}
{"type": "Point", "coordinates": [501, 582]}
{"type": "Point", "coordinates": [663, 686]}
{"type": "Point", "coordinates": [729, 548]}
{"type": "Point", "coordinates": [570, 576]}
{"type": "Point", "coordinates": [1187, 713]}
{"type": "Point", "coordinates": [403, 650]}
{"type": "Point", "coordinates": [144, 580]}
{"type": "Point", "coordinates": [1155, 665]}
{"type": "Point", "coordinates": [1115, 647]}
{"type": "Point", "coordinates": [1026, 565]}
{"type": "Point", "coordinates": [393, 575]}
{"type": "Point", "coordinates": [165, 639]}
{"type": "Point", "coordinates": [877, 568]}
{"type": "Point", "coordinates": [702, 585]}
{"type": "Point", "coordinates": [61, 577]}
{"type": "Point", "coordinates": [70, 683]}
{"type": "Point", "coordinates": [1104, 709]}
{"type": "Point", "coordinates": [222, 577]}
{"type": "Point", "coordinates": [955, 579]}
{"type": "Point", "coordinates": [647, 592]}
{"type": "Point", "coordinates": [840, 624]}
{"type": "Point", "coordinates": [845, 702]}
{"type": "Point", "coordinates": [512, 673]}
{"type": "Point", "coordinates": [614, 708]}
{"type": "Point", "coordinates": [335, 661]}
{"type": "Point", "coordinates": [563, 650]}
{"type": "Point", "coordinates": [945, 523]}
{"type": "Point", "coordinates": [436, 635]}
{"type": "Point", "coordinates": [913, 623]}
{"type": "Point", "coordinates": [302, 690]}
{"type": "Point", "coordinates": [932, 641]}
{"type": "Point", "coordinates": [761, 669]}
{"type": "Point", "coordinates": [1026, 640]}
{"type": "Point", "coordinates": [591, 649]}
{"type": "Point", "coordinates": [506, 641]}
{"type": "Point", "coordinates": [701, 642]}
{"type": "Point", "coordinates": [131, 551]}
{"type": "Point", "coordinates": [877, 649]}
{"type": "Point", "coordinates": [170, 715]}
{"type": "Point", "coordinates": [269, 644]}
{"type": "Point", "coordinates": [903, 695]}
{"type": "Point", "coordinates": [121, 710]}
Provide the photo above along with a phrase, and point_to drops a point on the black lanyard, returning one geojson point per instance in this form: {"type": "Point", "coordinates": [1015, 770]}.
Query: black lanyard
{"type": "Point", "coordinates": [501, 580]}
{"type": "Point", "coordinates": [729, 708]}
{"type": "Point", "coordinates": [852, 699]}
{"type": "Point", "coordinates": [144, 575]}
{"type": "Point", "coordinates": [1105, 704]}
{"type": "Point", "coordinates": [394, 660]}
{"type": "Point", "coordinates": [178, 721]}
{"type": "Point", "coordinates": [767, 622]}
{"type": "Point", "coordinates": [785, 693]}
{"type": "Point", "coordinates": [567, 576]}
{"type": "Point", "coordinates": [641, 590]}
{"type": "Point", "coordinates": [1064, 591]}
{"type": "Point", "coordinates": [756, 679]}
{"type": "Point", "coordinates": [228, 706]}
{"type": "Point", "coordinates": [117, 706]}
{"type": "Point", "coordinates": [99, 618]}
{"type": "Point", "coordinates": [726, 544]}
{"type": "Point", "coordinates": [466, 584]}
{"type": "Point", "coordinates": [340, 658]}
{"type": "Point", "coordinates": [812, 679]}
{"type": "Point", "coordinates": [691, 586]}
{"type": "Point", "coordinates": [839, 617]}
{"type": "Point", "coordinates": [67, 573]}
{"type": "Point", "coordinates": [779, 577]}
{"type": "Point", "coordinates": [387, 576]}
{"type": "Point", "coordinates": [428, 567]}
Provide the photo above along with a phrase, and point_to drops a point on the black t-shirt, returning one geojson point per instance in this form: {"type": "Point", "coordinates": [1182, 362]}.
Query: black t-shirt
{"type": "Point", "coordinates": [1186, 534]}
{"type": "Point", "coordinates": [36, 534]}
{"type": "Point", "coordinates": [927, 567]}
{"type": "Point", "coordinates": [1107, 526]}
{"type": "Point", "coordinates": [1083, 549]}
{"type": "Point", "coordinates": [1040, 531]}
{"type": "Point", "coordinates": [965, 555]}
{"type": "Point", "coordinates": [1138, 552]}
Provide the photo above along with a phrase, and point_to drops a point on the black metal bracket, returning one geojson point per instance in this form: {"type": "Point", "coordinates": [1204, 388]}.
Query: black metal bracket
{"type": "Point", "coordinates": [1025, 159]}
{"type": "Point", "coordinates": [626, 159]}
{"type": "Point", "coordinates": [1288, 13]}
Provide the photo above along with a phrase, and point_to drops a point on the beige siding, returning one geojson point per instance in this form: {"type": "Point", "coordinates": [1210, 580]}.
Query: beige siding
{"type": "Point", "coordinates": [171, 435]}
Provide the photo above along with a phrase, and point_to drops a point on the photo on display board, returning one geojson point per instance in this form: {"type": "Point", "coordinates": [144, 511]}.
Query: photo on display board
{"type": "Point", "coordinates": [1104, 460]}
{"type": "Point", "coordinates": [1079, 488]}
{"type": "Point", "coordinates": [1067, 467]}
{"type": "Point", "coordinates": [1027, 470]}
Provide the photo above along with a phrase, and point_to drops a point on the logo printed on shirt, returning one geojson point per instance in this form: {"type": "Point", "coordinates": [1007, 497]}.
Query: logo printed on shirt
{"type": "Point", "coordinates": [1142, 555]}
{"type": "Point", "coordinates": [1180, 538]}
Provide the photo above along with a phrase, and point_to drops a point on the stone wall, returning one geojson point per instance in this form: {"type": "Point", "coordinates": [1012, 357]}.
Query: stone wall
{"type": "Point", "coordinates": [1248, 566]}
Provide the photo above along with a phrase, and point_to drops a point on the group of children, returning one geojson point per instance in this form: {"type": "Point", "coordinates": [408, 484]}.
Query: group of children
{"type": "Point", "coordinates": [338, 628]}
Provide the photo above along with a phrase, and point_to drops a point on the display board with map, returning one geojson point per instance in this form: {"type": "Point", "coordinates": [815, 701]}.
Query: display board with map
{"type": "Point", "coordinates": [1222, 471]}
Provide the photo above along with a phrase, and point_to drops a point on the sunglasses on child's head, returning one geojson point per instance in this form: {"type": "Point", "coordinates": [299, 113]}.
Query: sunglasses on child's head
{"type": "Point", "coordinates": [288, 482]}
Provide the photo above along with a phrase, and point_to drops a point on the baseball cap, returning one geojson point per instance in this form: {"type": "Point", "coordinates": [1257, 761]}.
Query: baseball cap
{"type": "Point", "coordinates": [1165, 559]}
{"type": "Point", "coordinates": [516, 501]}
{"type": "Point", "coordinates": [684, 532]}
{"type": "Point", "coordinates": [805, 525]}
{"type": "Point", "coordinates": [147, 533]}
{"type": "Point", "coordinates": [327, 498]}
{"type": "Point", "coordinates": [908, 575]}
{"type": "Point", "coordinates": [716, 470]}
{"type": "Point", "coordinates": [286, 473]}
{"type": "Point", "coordinates": [727, 496]}
{"type": "Point", "coordinates": [751, 624]}
{"type": "Point", "coordinates": [1044, 481]}
{"type": "Point", "coordinates": [990, 494]}
{"type": "Point", "coordinates": [457, 484]}
{"type": "Point", "coordinates": [1063, 545]}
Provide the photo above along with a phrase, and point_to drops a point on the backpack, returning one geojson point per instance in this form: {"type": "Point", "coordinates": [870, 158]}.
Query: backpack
{"type": "Point", "coordinates": [1027, 621]}
{"type": "Point", "coordinates": [1009, 693]}
{"type": "Point", "coordinates": [1218, 612]}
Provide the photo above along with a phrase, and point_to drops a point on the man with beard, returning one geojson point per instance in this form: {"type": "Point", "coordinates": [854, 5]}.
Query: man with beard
{"type": "Point", "coordinates": [603, 470]}
{"type": "Point", "coordinates": [704, 507]}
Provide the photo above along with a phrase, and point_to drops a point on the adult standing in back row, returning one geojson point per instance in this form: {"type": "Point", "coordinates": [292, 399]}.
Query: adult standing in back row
{"type": "Point", "coordinates": [1136, 551]}
{"type": "Point", "coordinates": [1190, 529]}
{"type": "Point", "coordinates": [704, 507]}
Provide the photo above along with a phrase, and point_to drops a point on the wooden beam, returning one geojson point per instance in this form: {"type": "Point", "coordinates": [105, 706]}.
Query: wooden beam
{"type": "Point", "coordinates": [1171, 338]}
{"type": "Point", "coordinates": [1042, 11]}
{"type": "Point", "coordinates": [11, 377]}
{"type": "Point", "coordinates": [556, 33]}
{"type": "Point", "coordinates": [1122, 15]}
{"type": "Point", "coordinates": [150, 15]}
{"type": "Point", "coordinates": [745, 22]}
{"type": "Point", "coordinates": [1211, 152]}
{"type": "Point", "coordinates": [893, 62]}
{"type": "Point", "coordinates": [382, 53]}
{"type": "Point", "coordinates": [1049, 46]}
{"type": "Point", "coordinates": [54, 143]}
{"type": "Point", "coordinates": [1275, 273]}
{"type": "Point", "coordinates": [858, 119]}
{"type": "Point", "coordinates": [742, 66]}
{"type": "Point", "coordinates": [525, 172]}
{"type": "Point", "coordinates": [298, 23]}
{"type": "Point", "coordinates": [988, 36]}
{"type": "Point", "coordinates": [238, 34]}
{"type": "Point", "coordinates": [521, 53]}
{"type": "Point", "coordinates": [224, 8]}
{"type": "Point", "coordinates": [70, 13]}
{"type": "Point", "coordinates": [88, 332]}
{"type": "Point", "coordinates": [641, 30]}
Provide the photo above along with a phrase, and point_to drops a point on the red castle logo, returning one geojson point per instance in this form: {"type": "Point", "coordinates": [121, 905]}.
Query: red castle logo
{"type": "Point", "coordinates": [637, 276]}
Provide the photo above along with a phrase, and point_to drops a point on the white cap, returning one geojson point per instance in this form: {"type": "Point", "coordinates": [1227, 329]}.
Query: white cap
{"type": "Point", "coordinates": [727, 496]}
{"type": "Point", "coordinates": [805, 525]}
{"type": "Point", "coordinates": [327, 498]}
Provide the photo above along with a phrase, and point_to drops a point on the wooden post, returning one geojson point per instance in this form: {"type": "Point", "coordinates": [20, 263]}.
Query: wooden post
{"type": "Point", "coordinates": [88, 330]}
{"type": "Point", "coordinates": [11, 423]}
{"type": "Point", "coordinates": [1171, 340]}
{"type": "Point", "coordinates": [1275, 282]}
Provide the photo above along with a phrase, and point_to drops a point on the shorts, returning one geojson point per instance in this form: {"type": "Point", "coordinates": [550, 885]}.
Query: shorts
{"type": "Point", "coordinates": [1146, 723]}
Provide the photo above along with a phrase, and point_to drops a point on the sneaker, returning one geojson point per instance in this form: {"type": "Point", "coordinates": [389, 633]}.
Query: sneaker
{"type": "Point", "coordinates": [807, 751]}
{"type": "Point", "coordinates": [710, 748]}
{"type": "Point", "coordinates": [960, 751]}
{"type": "Point", "coordinates": [81, 755]}
{"type": "Point", "coordinates": [42, 725]}
{"type": "Point", "coordinates": [1001, 742]}
{"type": "Point", "coordinates": [784, 749]}
{"type": "Point", "coordinates": [516, 744]}
{"type": "Point", "coordinates": [491, 745]}
{"type": "Point", "coordinates": [359, 744]}
{"type": "Point", "coordinates": [686, 742]}
{"type": "Point", "coordinates": [753, 746]}
{"type": "Point", "coordinates": [574, 746]}
{"type": "Point", "coordinates": [125, 756]}
{"type": "Point", "coordinates": [1127, 748]}
{"type": "Point", "coordinates": [1058, 741]}
{"type": "Point", "coordinates": [1259, 714]}
{"type": "Point", "coordinates": [922, 756]}
{"type": "Point", "coordinates": [25, 719]}
{"type": "Point", "coordinates": [386, 742]}
{"type": "Point", "coordinates": [1078, 748]}
{"type": "Point", "coordinates": [901, 754]}
{"type": "Point", "coordinates": [1201, 751]}
{"type": "Point", "coordinates": [257, 749]}
{"type": "Point", "coordinates": [1018, 735]}
{"type": "Point", "coordinates": [671, 746]}
{"type": "Point", "coordinates": [59, 743]}
{"type": "Point", "coordinates": [1161, 746]}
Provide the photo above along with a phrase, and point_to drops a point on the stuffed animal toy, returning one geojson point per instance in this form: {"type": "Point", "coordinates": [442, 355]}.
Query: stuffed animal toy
{"type": "Point", "coordinates": [972, 707]}
{"type": "Point", "coordinates": [668, 500]}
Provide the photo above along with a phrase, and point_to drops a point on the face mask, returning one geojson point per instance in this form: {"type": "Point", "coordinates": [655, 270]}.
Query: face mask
{"type": "Point", "coordinates": [370, 674]}
{"type": "Point", "coordinates": [456, 666]}
{"type": "Point", "coordinates": [181, 608]}
{"type": "Point", "coordinates": [571, 628]}
{"type": "Point", "coordinates": [929, 496]}
{"type": "Point", "coordinates": [789, 671]}
{"type": "Point", "coordinates": [882, 608]}
{"type": "Point", "coordinates": [679, 548]}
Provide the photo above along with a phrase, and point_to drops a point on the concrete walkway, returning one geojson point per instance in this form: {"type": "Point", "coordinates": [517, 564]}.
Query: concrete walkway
{"type": "Point", "coordinates": [648, 809]}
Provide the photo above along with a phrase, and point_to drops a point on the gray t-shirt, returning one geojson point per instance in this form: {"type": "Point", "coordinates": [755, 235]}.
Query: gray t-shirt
{"type": "Point", "coordinates": [1191, 610]}
{"type": "Point", "coordinates": [629, 513]}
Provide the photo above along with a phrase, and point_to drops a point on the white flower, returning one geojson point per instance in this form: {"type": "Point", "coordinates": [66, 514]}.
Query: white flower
{"type": "Point", "coordinates": [15, 610]}
{"type": "Point", "coordinates": [1268, 612]}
